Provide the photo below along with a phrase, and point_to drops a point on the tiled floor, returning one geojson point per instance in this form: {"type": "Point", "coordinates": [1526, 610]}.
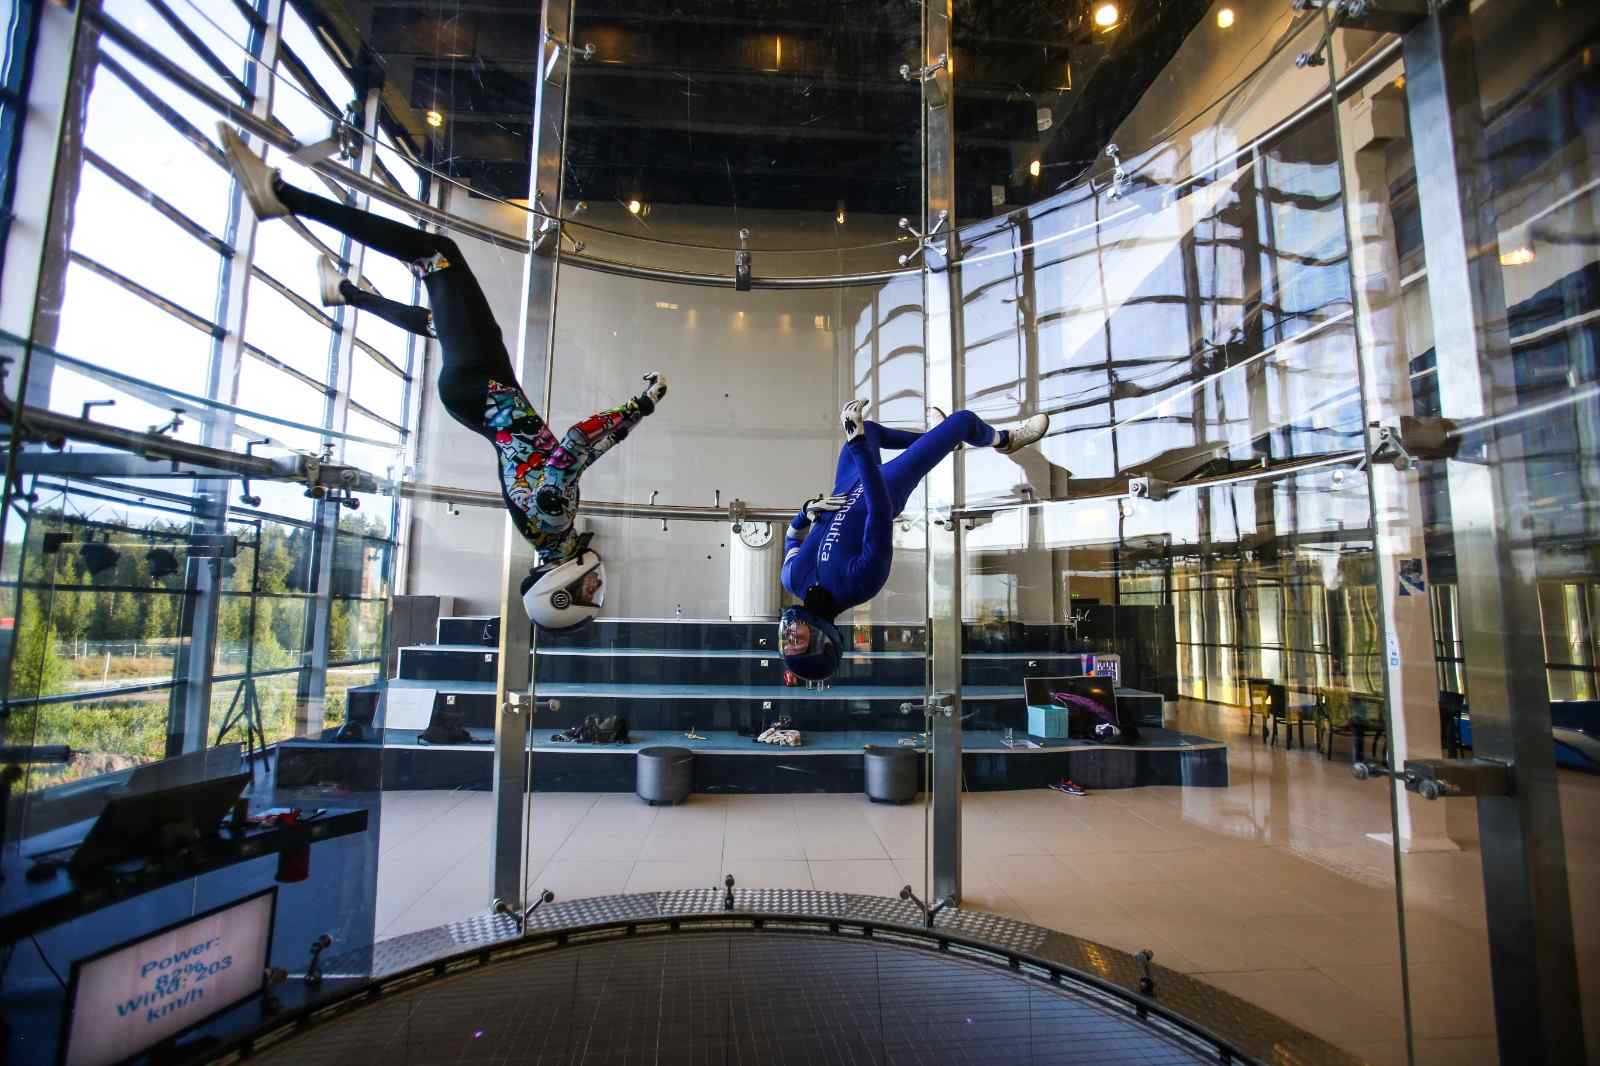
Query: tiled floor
{"type": "Point", "coordinates": [1269, 889]}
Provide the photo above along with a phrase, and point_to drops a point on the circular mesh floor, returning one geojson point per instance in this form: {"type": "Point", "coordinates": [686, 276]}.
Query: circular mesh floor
{"type": "Point", "coordinates": [748, 998]}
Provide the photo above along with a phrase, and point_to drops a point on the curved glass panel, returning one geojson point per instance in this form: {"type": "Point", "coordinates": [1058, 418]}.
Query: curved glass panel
{"type": "Point", "coordinates": [1170, 637]}
{"type": "Point", "coordinates": [792, 124]}
{"type": "Point", "coordinates": [1485, 588]}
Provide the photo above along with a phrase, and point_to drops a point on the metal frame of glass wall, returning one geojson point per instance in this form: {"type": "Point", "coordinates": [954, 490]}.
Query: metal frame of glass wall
{"type": "Point", "coordinates": [275, 614]}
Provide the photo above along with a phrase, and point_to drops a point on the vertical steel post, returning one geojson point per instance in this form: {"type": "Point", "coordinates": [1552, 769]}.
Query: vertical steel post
{"type": "Point", "coordinates": [942, 311]}
{"type": "Point", "coordinates": [189, 709]}
{"type": "Point", "coordinates": [514, 683]}
{"type": "Point", "coordinates": [311, 703]}
{"type": "Point", "coordinates": [1531, 949]}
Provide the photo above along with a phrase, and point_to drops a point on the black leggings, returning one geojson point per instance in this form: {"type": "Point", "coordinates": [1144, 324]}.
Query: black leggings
{"type": "Point", "coordinates": [474, 352]}
{"type": "Point", "coordinates": [408, 317]}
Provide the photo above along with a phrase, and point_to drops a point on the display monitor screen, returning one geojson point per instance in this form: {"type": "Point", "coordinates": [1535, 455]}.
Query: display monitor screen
{"type": "Point", "coordinates": [1088, 701]}
{"type": "Point", "coordinates": [132, 997]}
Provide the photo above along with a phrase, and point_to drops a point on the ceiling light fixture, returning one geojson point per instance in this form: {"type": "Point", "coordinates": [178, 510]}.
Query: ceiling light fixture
{"type": "Point", "coordinates": [435, 119]}
{"type": "Point", "coordinates": [1033, 168]}
{"type": "Point", "coordinates": [634, 207]}
{"type": "Point", "coordinates": [1225, 17]}
{"type": "Point", "coordinates": [838, 213]}
{"type": "Point", "coordinates": [1105, 16]}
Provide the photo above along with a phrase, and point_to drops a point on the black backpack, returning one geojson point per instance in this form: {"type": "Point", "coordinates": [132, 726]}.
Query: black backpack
{"type": "Point", "coordinates": [597, 729]}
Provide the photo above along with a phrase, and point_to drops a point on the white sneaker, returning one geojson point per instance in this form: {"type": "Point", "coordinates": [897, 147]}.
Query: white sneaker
{"type": "Point", "coordinates": [1030, 432]}
{"type": "Point", "coordinates": [329, 277]}
{"type": "Point", "coordinates": [853, 417]}
{"type": "Point", "coordinates": [253, 174]}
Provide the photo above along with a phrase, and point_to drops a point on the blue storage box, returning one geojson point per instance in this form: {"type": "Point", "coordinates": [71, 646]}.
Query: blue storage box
{"type": "Point", "coordinates": [1047, 721]}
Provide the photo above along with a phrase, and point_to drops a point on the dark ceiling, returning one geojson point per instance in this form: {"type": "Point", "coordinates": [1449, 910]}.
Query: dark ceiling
{"type": "Point", "coordinates": [789, 104]}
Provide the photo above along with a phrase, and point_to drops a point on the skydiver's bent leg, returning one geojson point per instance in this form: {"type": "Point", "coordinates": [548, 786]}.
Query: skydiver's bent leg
{"type": "Point", "coordinates": [905, 471]}
{"type": "Point", "coordinates": [411, 319]}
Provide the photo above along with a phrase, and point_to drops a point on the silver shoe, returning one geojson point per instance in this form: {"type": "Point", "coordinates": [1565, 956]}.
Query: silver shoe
{"type": "Point", "coordinates": [1030, 432]}
{"type": "Point", "coordinates": [329, 277]}
{"type": "Point", "coordinates": [253, 175]}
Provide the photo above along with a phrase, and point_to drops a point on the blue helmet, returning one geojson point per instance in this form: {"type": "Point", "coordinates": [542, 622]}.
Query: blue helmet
{"type": "Point", "coordinates": [809, 643]}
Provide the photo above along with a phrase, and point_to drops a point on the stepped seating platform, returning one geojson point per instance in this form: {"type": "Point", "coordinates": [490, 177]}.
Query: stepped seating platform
{"type": "Point", "coordinates": [723, 682]}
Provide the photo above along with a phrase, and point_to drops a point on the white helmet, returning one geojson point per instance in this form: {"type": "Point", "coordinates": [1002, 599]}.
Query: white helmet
{"type": "Point", "coordinates": [564, 595]}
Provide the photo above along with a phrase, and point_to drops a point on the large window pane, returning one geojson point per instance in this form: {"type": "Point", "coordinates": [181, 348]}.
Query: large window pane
{"type": "Point", "coordinates": [107, 325]}
{"type": "Point", "coordinates": [286, 332]}
{"type": "Point", "coordinates": [115, 228]}
{"type": "Point", "coordinates": [123, 129]}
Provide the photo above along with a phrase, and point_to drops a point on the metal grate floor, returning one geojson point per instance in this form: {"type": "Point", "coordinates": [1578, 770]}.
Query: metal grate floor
{"type": "Point", "coordinates": [718, 999]}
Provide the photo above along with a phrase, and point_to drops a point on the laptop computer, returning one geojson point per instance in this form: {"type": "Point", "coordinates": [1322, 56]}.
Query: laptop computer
{"type": "Point", "coordinates": [148, 824]}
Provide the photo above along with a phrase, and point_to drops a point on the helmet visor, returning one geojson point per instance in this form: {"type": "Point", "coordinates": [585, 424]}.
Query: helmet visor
{"type": "Point", "coordinates": [589, 590]}
{"type": "Point", "coordinates": [798, 636]}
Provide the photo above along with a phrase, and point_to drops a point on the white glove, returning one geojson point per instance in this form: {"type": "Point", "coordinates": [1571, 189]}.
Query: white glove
{"type": "Point", "coordinates": [655, 386]}
{"type": "Point", "coordinates": [853, 417]}
{"type": "Point", "coordinates": [818, 504]}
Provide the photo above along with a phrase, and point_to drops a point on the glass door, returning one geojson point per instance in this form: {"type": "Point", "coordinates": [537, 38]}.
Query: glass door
{"type": "Point", "coordinates": [1478, 351]}
{"type": "Point", "coordinates": [696, 146]}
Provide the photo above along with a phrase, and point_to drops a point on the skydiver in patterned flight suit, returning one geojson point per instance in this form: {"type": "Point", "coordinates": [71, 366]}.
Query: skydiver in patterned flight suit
{"type": "Point", "coordinates": [538, 474]}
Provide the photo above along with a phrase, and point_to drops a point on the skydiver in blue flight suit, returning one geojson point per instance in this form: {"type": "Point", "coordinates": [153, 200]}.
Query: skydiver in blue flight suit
{"type": "Point", "coordinates": [844, 560]}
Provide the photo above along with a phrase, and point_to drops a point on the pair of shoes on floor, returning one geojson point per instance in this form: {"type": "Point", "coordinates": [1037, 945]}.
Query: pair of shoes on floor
{"type": "Point", "coordinates": [787, 738]}
{"type": "Point", "coordinates": [1069, 787]}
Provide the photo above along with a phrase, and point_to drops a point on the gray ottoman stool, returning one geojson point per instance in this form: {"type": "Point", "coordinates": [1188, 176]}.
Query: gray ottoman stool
{"type": "Point", "coordinates": [664, 775]}
{"type": "Point", "coordinates": [891, 774]}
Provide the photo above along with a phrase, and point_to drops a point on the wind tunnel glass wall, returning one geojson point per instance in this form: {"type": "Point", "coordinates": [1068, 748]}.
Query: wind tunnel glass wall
{"type": "Point", "coordinates": [1469, 677]}
{"type": "Point", "coordinates": [793, 136]}
{"type": "Point", "coordinates": [788, 132]}
{"type": "Point", "coordinates": [1171, 603]}
{"type": "Point", "coordinates": [171, 624]}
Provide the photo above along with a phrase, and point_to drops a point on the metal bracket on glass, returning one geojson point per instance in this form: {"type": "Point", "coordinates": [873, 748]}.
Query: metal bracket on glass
{"type": "Point", "coordinates": [557, 48]}
{"type": "Point", "coordinates": [172, 425]}
{"type": "Point", "coordinates": [1412, 440]}
{"type": "Point", "coordinates": [1147, 982]}
{"type": "Point", "coordinates": [939, 701]}
{"type": "Point", "coordinates": [1382, 16]}
{"type": "Point", "coordinates": [343, 140]}
{"type": "Point", "coordinates": [518, 913]}
{"type": "Point", "coordinates": [910, 73]}
{"type": "Point", "coordinates": [741, 264]}
{"type": "Point", "coordinates": [924, 240]}
{"type": "Point", "coordinates": [1119, 177]}
{"type": "Point", "coordinates": [246, 497]}
{"type": "Point", "coordinates": [330, 481]}
{"type": "Point", "coordinates": [313, 974]}
{"type": "Point", "coordinates": [549, 232]}
{"type": "Point", "coordinates": [1438, 778]}
{"type": "Point", "coordinates": [517, 702]}
{"type": "Point", "coordinates": [929, 913]}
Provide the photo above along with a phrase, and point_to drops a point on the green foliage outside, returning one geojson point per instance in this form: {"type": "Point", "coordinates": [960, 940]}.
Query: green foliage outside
{"type": "Point", "coordinates": [66, 639]}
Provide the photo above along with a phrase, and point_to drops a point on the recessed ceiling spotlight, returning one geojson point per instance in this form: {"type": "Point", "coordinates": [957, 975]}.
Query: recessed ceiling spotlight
{"type": "Point", "coordinates": [435, 119]}
{"type": "Point", "coordinates": [634, 207]}
{"type": "Point", "coordinates": [1033, 168]}
{"type": "Point", "coordinates": [1225, 17]}
{"type": "Point", "coordinates": [1105, 15]}
{"type": "Point", "coordinates": [839, 213]}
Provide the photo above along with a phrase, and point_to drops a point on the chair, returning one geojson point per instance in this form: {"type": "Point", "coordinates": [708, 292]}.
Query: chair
{"type": "Point", "coordinates": [1257, 703]}
{"type": "Point", "coordinates": [1289, 706]}
{"type": "Point", "coordinates": [1351, 714]}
